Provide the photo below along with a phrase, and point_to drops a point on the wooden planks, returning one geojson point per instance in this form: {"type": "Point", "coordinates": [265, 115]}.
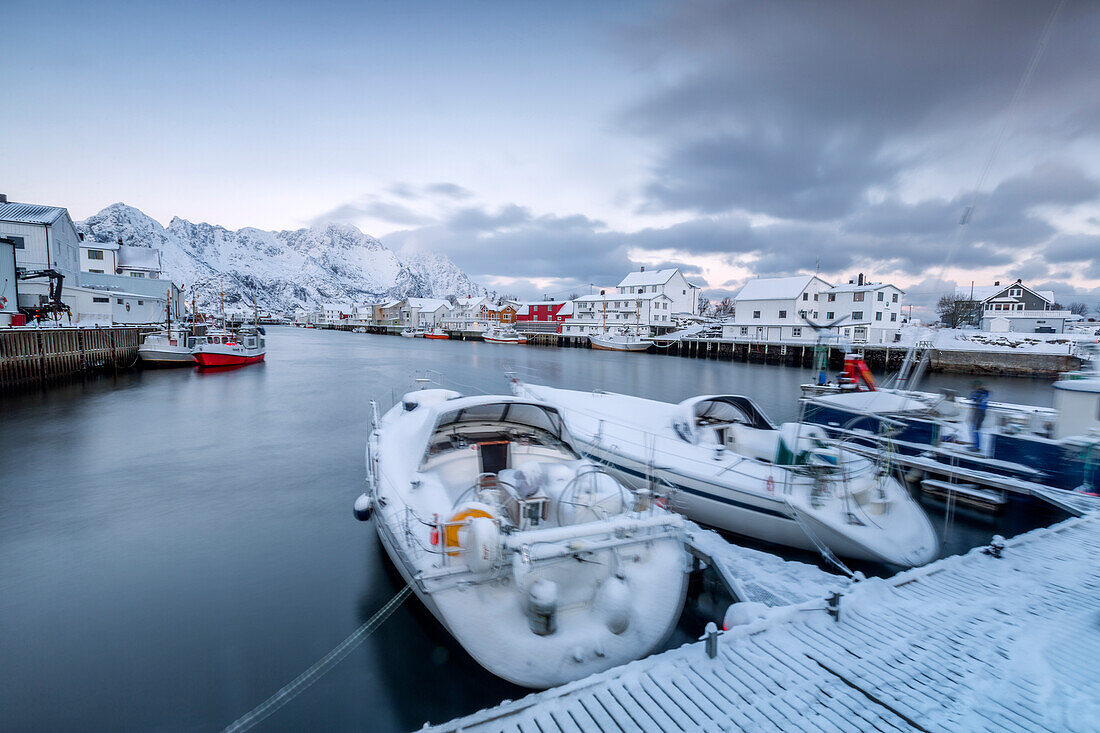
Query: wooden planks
{"type": "Point", "coordinates": [30, 357]}
{"type": "Point", "coordinates": [971, 642]}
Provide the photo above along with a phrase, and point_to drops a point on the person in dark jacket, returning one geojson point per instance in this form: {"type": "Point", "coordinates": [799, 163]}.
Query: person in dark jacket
{"type": "Point", "coordinates": [980, 399]}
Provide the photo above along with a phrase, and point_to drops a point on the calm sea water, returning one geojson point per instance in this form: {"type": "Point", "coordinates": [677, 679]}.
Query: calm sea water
{"type": "Point", "coordinates": [175, 545]}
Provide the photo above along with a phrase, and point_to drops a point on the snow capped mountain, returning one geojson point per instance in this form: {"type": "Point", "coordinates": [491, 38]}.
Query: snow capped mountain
{"type": "Point", "coordinates": [281, 270]}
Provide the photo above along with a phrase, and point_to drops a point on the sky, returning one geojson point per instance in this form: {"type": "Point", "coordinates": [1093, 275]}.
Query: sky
{"type": "Point", "coordinates": [549, 148]}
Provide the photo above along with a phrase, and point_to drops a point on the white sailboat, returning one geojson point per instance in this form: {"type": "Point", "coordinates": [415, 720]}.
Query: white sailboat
{"type": "Point", "coordinates": [544, 567]}
{"type": "Point", "coordinates": [732, 469]}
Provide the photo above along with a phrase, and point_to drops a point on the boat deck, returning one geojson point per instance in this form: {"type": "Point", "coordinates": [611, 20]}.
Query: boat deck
{"type": "Point", "coordinates": [971, 642]}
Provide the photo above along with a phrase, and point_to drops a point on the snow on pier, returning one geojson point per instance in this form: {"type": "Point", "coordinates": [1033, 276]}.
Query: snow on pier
{"type": "Point", "coordinates": [971, 642]}
{"type": "Point", "coordinates": [760, 577]}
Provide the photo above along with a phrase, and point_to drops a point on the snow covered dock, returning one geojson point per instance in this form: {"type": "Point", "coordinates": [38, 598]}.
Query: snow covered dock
{"type": "Point", "coordinates": [971, 642]}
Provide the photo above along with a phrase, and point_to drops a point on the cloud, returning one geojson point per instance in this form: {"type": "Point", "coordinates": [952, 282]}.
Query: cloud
{"type": "Point", "coordinates": [805, 110]}
{"type": "Point", "coordinates": [450, 190]}
{"type": "Point", "coordinates": [393, 213]}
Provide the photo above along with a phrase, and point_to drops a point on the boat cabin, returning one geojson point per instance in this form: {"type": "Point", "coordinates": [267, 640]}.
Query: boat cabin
{"type": "Point", "coordinates": [735, 423]}
{"type": "Point", "coordinates": [512, 461]}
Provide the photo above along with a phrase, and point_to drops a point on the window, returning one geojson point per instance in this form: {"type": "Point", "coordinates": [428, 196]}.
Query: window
{"type": "Point", "coordinates": [756, 314]}
{"type": "Point", "coordinates": [97, 272]}
{"type": "Point", "coordinates": [796, 331]}
{"type": "Point", "coordinates": [119, 301]}
{"type": "Point", "coordinates": [1015, 293]}
{"type": "Point", "coordinates": [881, 296]}
{"type": "Point", "coordinates": [858, 297]}
{"type": "Point", "coordinates": [744, 330]}
{"type": "Point", "coordinates": [685, 292]}
{"type": "Point", "coordinates": [857, 315]}
{"type": "Point", "coordinates": [893, 317]}
{"type": "Point", "coordinates": [894, 298]}
{"type": "Point", "coordinates": [137, 274]}
{"type": "Point", "coordinates": [95, 254]}
{"type": "Point", "coordinates": [782, 314]}
{"type": "Point", "coordinates": [141, 302]}
{"type": "Point", "coordinates": [805, 296]}
{"type": "Point", "coordinates": [832, 297]}
{"type": "Point", "coordinates": [101, 300]}
{"type": "Point", "coordinates": [878, 316]}
{"type": "Point", "coordinates": [18, 241]}
{"type": "Point", "coordinates": [829, 315]}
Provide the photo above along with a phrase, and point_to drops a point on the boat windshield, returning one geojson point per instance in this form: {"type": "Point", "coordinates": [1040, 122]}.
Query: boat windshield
{"type": "Point", "coordinates": [512, 421]}
{"type": "Point", "coordinates": [730, 409]}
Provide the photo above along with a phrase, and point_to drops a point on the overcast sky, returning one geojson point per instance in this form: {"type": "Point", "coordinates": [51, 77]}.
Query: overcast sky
{"type": "Point", "coordinates": [546, 146]}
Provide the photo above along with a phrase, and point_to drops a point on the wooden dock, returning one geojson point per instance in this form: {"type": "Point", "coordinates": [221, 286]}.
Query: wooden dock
{"type": "Point", "coordinates": [31, 357]}
{"type": "Point", "coordinates": [994, 640]}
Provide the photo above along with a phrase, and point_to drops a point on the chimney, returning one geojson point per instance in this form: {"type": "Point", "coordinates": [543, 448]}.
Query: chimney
{"type": "Point", "coordinates": [80, 236]}
{"type": "Point", "coordinates": [120, 240]}
{"type": "Point", "coordinates": [861, 278]}
{"type": "Point", "coordinates": [3, 198]}
{"type": "Point", "coordinates": [643, 268]}
{"type": "Point", "coordinates": [996, 283]}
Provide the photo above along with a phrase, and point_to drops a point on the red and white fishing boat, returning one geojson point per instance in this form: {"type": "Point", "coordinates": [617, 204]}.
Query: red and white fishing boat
{"type": "Point", "coordinates": [436, 333]}
{"type": "Point", "coordinates": [232, 349]}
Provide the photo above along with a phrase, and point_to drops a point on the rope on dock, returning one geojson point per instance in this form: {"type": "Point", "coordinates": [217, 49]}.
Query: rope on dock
{"type": "Point", "coordinates": [299, 684]}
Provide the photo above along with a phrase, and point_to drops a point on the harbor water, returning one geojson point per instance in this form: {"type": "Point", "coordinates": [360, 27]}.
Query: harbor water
{"type": "Point", "coordinates": [176, 545]}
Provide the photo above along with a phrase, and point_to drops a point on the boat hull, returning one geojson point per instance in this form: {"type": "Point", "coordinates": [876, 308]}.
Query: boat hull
{"type": "Point", "coordinates": [214, 359]}
{"type": "Point", "coordinates": [602, 345]}
{"type": "Point", "coordinates": [157, 358]}
{"type": "Point", "coordinates": [437, 336]}
{"type": "Point", "coordinates": [490, 340]}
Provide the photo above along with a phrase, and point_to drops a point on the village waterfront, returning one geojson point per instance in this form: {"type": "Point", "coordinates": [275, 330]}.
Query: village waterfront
{"type": "Point", "coordinates": [178, 544]}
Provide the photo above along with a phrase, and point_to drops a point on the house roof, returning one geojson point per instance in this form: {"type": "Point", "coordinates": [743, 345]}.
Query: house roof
{"type": "Point", "coordinates": [650, 277]}
{"type": "Point", "coordinates": [428, 304]}
{"type": "Point", "coordinates": [621, 296]}
{"type": "Point", "coordinates": [92, 244]}
{"type": "Point", "coordinates": [983, 293]}
{"type": "Point", "coordinates": [342, 307]}
{"type": "Point", "coordinates": [776, 288]}
{"type": "Point", "coordinates": [138, 258]}
{"type": "Point", "coordinates": [30, 213]}
{"type": "Point", "coordinates": [866, 288]}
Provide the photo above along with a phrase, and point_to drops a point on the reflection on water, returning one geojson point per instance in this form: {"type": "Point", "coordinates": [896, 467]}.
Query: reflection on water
{"type": "Point", "coordinates": [176, 545]}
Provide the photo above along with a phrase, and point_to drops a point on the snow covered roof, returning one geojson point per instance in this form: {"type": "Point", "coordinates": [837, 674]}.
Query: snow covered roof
{"type": "Point", "coordinates": [90, 244]}
{"type": "Point", "coordinates": [30, 213]}
{"type": "Point", "coordinates": [620, 296]}
{"type": "Point", "coordinates": [982, 293]}
{"type": "Point", "coordinates": [865, 288]}
{"type": "Point", "coordinates": [342, 307]}
{"type": "Point", "coordinates": [652, 277]}
{"type": "Point", "coordinates": [428, 304]}
{"type": "Point", "coordinates": [138, 258]}
{"type": "Point", "coordinates": [776, 288]}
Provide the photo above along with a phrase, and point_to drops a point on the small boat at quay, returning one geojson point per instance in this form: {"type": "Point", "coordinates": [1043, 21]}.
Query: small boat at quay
{"type": "Point", "coordinates": [412, 333]}
{"type": "Point", "coordinates": [437, 333]}
{"type": "Point", "coordinates": [543, 566]}
{"type": "Point", "coordinates": [729, 467]}
{"type": "Point", "coordinates": [1057, 447]}
{"type": "Point", "coordinates": [245, 346]}
{"type": "Point", "coordinates": [168, 348]}
{"type": "Point", "coordinates": [502, 335]}
{"type": "Point", "coordinates": [619, 340]}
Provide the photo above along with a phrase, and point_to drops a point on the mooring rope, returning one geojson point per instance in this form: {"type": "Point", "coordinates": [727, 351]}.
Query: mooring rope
{"type": "Point", "coordinates": [299, 684]}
